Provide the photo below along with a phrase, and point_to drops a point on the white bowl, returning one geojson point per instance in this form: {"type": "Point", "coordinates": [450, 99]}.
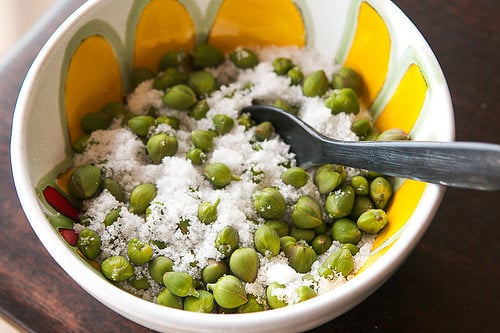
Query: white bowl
{"type": "Point", "coordinates": [405, 88]}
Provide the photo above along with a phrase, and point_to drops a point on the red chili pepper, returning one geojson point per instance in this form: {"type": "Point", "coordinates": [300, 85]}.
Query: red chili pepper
{"type": "Point", "coordinates": [60, 203]}
{"type": "Point", "coordinates": [70, 236]}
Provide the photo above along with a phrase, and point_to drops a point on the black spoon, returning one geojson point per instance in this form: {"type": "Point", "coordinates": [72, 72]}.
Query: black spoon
{"type": "Point", "coordinates": [472, 165]}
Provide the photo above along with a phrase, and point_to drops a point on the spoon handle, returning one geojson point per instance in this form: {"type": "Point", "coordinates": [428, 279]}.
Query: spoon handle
{"type": "Point", "coordinates": [460, 164]}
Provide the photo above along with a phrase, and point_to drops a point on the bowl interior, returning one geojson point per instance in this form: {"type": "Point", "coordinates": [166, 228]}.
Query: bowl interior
{"type": "Point", "coordinates": [88, 61]}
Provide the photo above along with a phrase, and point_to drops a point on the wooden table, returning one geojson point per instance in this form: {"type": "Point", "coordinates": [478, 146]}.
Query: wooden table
{"type": "Point", "coordinates": [450, 282]}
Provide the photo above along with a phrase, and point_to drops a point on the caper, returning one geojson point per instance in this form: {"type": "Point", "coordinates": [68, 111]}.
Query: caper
{"type": "Point", "coordinates": [206, 56]}
{"type": "Point", "coordinates": [343, 100]}
{"type": "Point", "coordinates": [372, 221]}
{"type": "Point", "coordinates": [269, 203]}
{"type": "Point", "coordinates": [263, 131]}
{"type": "Point", "coordinates": [315, 84]}
{"type": "Point", "coordinates": [80, 144]}
{"type": "Point", "coordinates": [176, 58]}
{"type": "Point", "coordinates": [302, 234]}
{"type": "Point", "coordinates": [89, 243]}
{"type": "Point", "coordinates": [117, 269]}
{"type": "Point", "coordinates": [159, 266]}
{"type": "Point", "coordinates": [207, 211]}
{"type": "Point", "coordinates": [141, 74]}
{"type": "Point", "coordinates": [228, 292]}
{"type": "Point", "coordinates": [244, 264]}
{"type": "Point", "coordinates": [275, 295]}
{"type": "Point", "coordinates": [305, 292]}
{"type": "Point", "coordinates": [295, 176]}
{"type": "Point", "coordinates": [361, 127]}
{"type": "Point", "coordinates": [328, 177]}
{"type": "Point", "coordinates": [203, 139]}
{"type": "Point", "coordinates": [345, 230]}
{"type": "Point", "coordinates": [213, 271]}
{"type": "Point", "coordinates": [140, 125]}
{"type": "Point", "coordinates": [296, 76]}
{"type": "Point", "coordinates": [351, 247]}
{"type": "Point", "coordinates": [252, 305]}
{"type": "Point", "coordinates": [114, 108]}
{"type": "Point", "coordinates": [284, 105]}
{"type": "Point", "coordinates": [112, 216]}
{"type": "Point", "coordinates": [222, 123]}
{"type": "Point", "coordinates": [360, 185]}
{"type": "Point", "coordinates": [114, 188]}
{"type": "Point", "coordinates": [170, 77]}
{"type": "Point", "coordinates": [139, 252]}
{"type": "Point", "coordinates": [94, 121]}
{"type": "Point", "coordinates": [85, 181]}
{"type": "Point", "coordinates": [180, 284]}
{"type": "Point", "coordinates": [380, 192]}
{"type": "Point", "coordinates": [203, 303]}
{"type": "Point", "coordinates": [161, 145]}
{"type": "Point", "coordinates": [347, 78]}
{"type": "Point", "coordinates": [196, 156]}
{"type": "Point", "coordinates": [281, 227]}
{"type": "Point", "coordinates": [244, 58]}
{"type": "Point", "coordinates": [202, 82]}
{"type": "Point", "coordinates": [199, 109]}
{"type": "Point", "coordinates": [227, 240]}
{"type": "Point", "coordinates": [339, 203]}
{"type": "Point", "coordinates": [245, 120]}
{"type": "Point", "coordinates": [300, 256]}
{"type": "Point", "coordinates": [282, 65]}
{"type": "Point", "coordinates": [141, 283]}
{"type": "Point", "coordinates": [267, 241]}
{"type": "Point", "coordinates": [169, 120]}
{"type": "Point", "coordinates": [341, 261]}
{"type": "Point", "coordinates": [287, 242]}
{"type": "Point", "coordinates": [307, 213]}
{"type": "Point", "coordinates": [140, 197]}
{"type": "Point", "coordinates": [361, 204]}
{"type": "Point", "coordinates": [321, 243]}
{"type": "Point", "coordinates": [179, 97]}
{"type": "Point", "coordinates": [219, 174]}
{"type": "Point", "coordinates": [166, 298]}
{"type": "Point", "coordinates": [393, 134]}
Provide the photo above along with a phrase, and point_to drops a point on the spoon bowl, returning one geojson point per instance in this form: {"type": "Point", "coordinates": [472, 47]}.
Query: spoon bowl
{"type": "Point", "coordinates": [471, 165]}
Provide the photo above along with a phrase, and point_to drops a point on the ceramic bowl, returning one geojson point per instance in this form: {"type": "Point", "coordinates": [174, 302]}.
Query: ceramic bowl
{"type": "Point", "coordinates": [88, 61]}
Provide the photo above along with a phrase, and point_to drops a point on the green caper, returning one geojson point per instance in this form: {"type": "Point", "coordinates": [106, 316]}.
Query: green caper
{"type": "Point", "coordinates": [244, 264]}
{"type": "Point", "coordinates": [281, 227]}
{"type": "Point", "coordinates": [347, 78]}
{"type": "Point", "coordinates": [339, 203]}
{"type": "Point", "coordinates": [252, 305]}
{"type": "Point", "coordinates": [328, 177]}
{"type": "Point", "coordinates": [305, 292]}
{"type": "Point", "coordinates": [207, 211]}
{"type": "Point", "coordinates": [372, 221]}
{"type": "Point", "coordinates": [141, 283]}
{"type": "Point", "coordinates": [284, 105]}
{"type": "Point", "coordinates": [351, 247]}
{"type": "Point", "coordinates": [222, 123]}
{"type": "Point", "coordinates": [282, 65]}
{"type": "Point", "coordinates": [345, 230]}
{"type": "Point", "coordinates": [179, 97]}
{"type": "Point", "coordinates": [141, 74]}
{"type": "Point", "coordinates": [302, 234]}
{"type": "Point", "coordinates": [139, 252]}
{"type": "Point", "coordinates": [180, 284]}
{"type": "Point", "coordinates": [166, 298]}
{"type": "Point", "coordinates": [244, 58]}
{"type": "Point", "coordinates": [85, 181]}
{"type": "Point", "coordinates": [275, 295]}
{"type": "Point", "coordinates": [267, 241]}
{"type": "Point", "coordinates": [245, 120]}
{"type": "Point", "coordinates": [296, 76]}
{"type": "Point", "coordinates": [307, 213]}
{"type": "Point", "coordinates": [159, 266]}
{"type": "Point", "coordinates": [341, 261]}
{"type": "Point", "coordinates": [140, 197]}
{"type": "Point", "coordinates": [117, 269]}
{"type": "Point", "coordinates": [287, 242]}
{"type": "Point", "coordinates": [228, 292]}
{"type": "Point", "coordinates": [170, 77]}
{"type": "Point", "coordinates": [361, 127]}
{"type": "Point", "coordinates": [315, 84]}
{"type": "Point", "coordinates": [321, 243]}
{"type": "Point", "coordinates": [203, 139]}
{"type": "Point", "coordinates": [203, 83]}
{"type": "Point", "coordinates": [89, 243]}
{"type": "Point", "coordinates": [263, 131]}
{"type": "Point", "coordinates": [360, 185]}
{"type": "Point", "coordinates": [114, 108]}
{"type": "Point", "coordinates": [161, 145]}
{"type": "Point", "coordinates": [199, 109]}
{"type": "Point", "coordinates": [112, 216]}
{"type": "Point", "coordinates": [219, 174]}
{"type": "Point", "coordinates": [80, 144]}
{"type": "Point", "coordinates": [140, 125]}
{"type": "Point", "coordinates": [380, 192]}
{"type": "Point", "coordinates": [203, 303]}
{"type": "Point", "coordinates": [300, 256]}
{"type": "Point", "coordinates": [114, 188]}
{"type": "Point", "coordinates": [196, 156]}
{"type": "Point", "coordinates": [343, 100]}
{"type": "Point", "coordinates": [213, 271]}
{"type": "Point", "coordinates": [269, 203]}
{"type": "Point", "coordinates": [227, 240]}
{"type": "Point", "coordinates": [206, 56]}
{"type": "Point", "coordinates": [94, 121]}
{"type": "Point", "coordinates": [393, 134]}
{"type": "Point", "coordinates": [176, 58]}
{"type": "Point", "coordinates": [361, 204]}
{"type": "Point", "coordinates": [169, 120]}
{"type": "Point", "coordinates": [295, 176]}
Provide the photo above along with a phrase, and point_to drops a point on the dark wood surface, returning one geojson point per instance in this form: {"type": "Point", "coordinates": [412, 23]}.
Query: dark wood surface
{"type": "Point", "coordinates": [450, 282]}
